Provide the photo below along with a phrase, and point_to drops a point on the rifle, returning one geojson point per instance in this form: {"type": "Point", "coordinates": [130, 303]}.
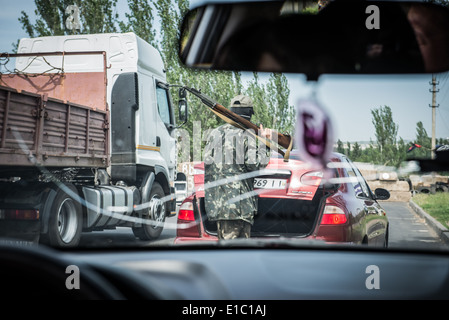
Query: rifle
{"type": "Point", "coordinates": [283, 140]}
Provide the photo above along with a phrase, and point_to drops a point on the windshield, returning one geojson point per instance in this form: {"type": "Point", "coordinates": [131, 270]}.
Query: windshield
{"type": "Point", "coordinates": [108, 166]}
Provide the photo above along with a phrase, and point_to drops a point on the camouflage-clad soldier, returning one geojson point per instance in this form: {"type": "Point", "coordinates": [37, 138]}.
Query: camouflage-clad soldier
{"type": "Point", "coordinates": [231, 155]}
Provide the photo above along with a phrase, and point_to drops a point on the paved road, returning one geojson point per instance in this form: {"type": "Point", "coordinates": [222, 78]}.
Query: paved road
{"type": "Point", "coordinates": [124, 236]}
{"type": "Point", "coordinates": [407, 230]}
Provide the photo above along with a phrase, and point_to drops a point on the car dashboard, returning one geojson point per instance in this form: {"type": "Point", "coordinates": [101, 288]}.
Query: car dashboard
{"type": "Point", "coordinates": [211, 272]}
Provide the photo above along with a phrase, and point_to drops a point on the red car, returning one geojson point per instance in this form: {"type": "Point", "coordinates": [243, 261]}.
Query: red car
{"type": "Point", "coordinates": [294, 201]}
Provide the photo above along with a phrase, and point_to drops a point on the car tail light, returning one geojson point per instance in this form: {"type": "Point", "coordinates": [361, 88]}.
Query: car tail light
{"type": "Point", "coordinates": [19, 214]}
{"type": "Point", "coordinates": [186, 212]}
{"type": "Point", "coordinates": [333, 215]}
{"type": "Point", "coordinates": [312, 178]}
{"type": "Point", "coordinates": [187, 226]}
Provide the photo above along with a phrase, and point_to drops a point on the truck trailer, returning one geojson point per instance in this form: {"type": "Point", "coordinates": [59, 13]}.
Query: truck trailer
{"type": "Point", "coordinates": [86, 138]}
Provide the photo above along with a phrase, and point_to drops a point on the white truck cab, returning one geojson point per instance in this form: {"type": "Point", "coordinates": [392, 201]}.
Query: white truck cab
{"type": "Point", "coordinates": [125, 54]}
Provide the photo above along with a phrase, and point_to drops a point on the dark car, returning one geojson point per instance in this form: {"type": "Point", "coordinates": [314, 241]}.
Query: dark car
{"type": "Point", "coordinates": [295, 201]}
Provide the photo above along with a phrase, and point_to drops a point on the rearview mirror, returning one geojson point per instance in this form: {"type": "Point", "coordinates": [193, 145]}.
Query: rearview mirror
{"type": "Point", "coordinates": [345, 37]}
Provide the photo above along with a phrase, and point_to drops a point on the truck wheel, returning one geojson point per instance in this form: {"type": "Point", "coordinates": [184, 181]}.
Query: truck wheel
{"type": "Point", "coordinates": [154, 216]}
{"type": "Point", "coordinates": [65, 221]}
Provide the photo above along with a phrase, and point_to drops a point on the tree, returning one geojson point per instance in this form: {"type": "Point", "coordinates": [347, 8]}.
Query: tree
{"type": "Point", "coordinates": [386, 131]}
{"type": "Point", "coordinates": [372, 154]}
{"type": "Point", "coordinates": [238, 83]}
{"type": "Point", "coordinates": [257, 91]}
{"type": "Point", "coordinates": [348, 151]}
{"type": "Point", "coordinates": [271, 102]}
{"type": "Point", "coordinates": [282, 112]}
{"type": "Point", "coordinates": [219, 86]}
{"type": "Point", "coordinates": [356, 152]}
{"type": "Point", "coordinates": [140, 20]}
{"type": "Point", "coordinates": [422, 139]}
{"type": "Point", "coordinates": [97, 16]}
{"type": "Point", "coordinates": [340, 147]}
{"type": "Point", "coordinates": [170, 14]}
{"type": "Point", "coordinates": [442, 141]}
{"type": "Point", "coordinates": [401, 154]}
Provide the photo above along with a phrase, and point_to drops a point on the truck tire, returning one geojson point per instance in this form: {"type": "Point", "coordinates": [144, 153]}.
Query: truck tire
{"type": "Point", "coordinates": [154, 215]}
{"type": "Point", "coordinates": [65, 221]}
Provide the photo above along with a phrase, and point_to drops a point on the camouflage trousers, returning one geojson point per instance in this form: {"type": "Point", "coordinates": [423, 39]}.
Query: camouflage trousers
{"type": "Point", "coordinates": [233, 229]}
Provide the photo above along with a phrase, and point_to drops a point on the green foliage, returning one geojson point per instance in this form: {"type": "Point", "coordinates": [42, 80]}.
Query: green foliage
{"type": "Point", "coordinates": [348, 149]}
{"type": "Point", "coordinates": [140, 20]}
{"type": "Point", "coordinates": [96, 16]}
{"type": "Point", "coordinates": [436, 205]}
{"type": "Point", "coordinates": [388, 149]}
{"type": "Point", "coordinates": [340, 147]}
{"type": "Point", "coordinates": [386, 129]}
{"type": "Point", "coordinates": [310, 10]}
{"type": "Point", "coordinates": [257, 91]}
{"type": "Point", "coordinates": [271, 105]}
{"type": "Point", "coordinates": [422, 139]}
{"type": "Point", "coordinates": [271, 96]}
{"type": "Point", "coordinates": [356, 152]}
{"type": "Point", "coordinates": [282, 113]}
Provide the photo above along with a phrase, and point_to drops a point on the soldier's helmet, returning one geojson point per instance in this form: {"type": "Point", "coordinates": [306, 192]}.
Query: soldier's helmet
{"type": "Point", "coordinates": [243, 106]}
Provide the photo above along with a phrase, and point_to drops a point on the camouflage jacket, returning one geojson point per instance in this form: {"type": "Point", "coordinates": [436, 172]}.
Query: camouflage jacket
{"type": "Point", "coordinates": [231, 160]}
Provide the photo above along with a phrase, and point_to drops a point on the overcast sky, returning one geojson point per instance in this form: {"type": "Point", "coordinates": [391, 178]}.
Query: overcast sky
{"type": "Point", "coordinates": [348, 99]}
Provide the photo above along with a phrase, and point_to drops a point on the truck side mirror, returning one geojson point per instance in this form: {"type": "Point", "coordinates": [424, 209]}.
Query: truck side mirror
{"type": "Point", "coordinates": [182, 106]}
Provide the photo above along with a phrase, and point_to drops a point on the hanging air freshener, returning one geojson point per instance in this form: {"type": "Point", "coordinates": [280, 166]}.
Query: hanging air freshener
{"type": "Point", "coordinates": [314, 133]}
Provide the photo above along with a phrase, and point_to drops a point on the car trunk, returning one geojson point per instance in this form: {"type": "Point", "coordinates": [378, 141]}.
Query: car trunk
{"type": "Point", "coordinates": [291, 199]}
{"type": "Point", "coordinates": [279, 216]}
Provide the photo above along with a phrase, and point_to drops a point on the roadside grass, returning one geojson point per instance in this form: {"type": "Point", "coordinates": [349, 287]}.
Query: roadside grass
{"type": "Point", "coordinates": [437, 205]}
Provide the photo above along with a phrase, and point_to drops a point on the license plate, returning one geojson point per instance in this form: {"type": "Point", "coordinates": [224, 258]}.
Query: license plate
{"type": "Point", "coordinates": [261, 183]}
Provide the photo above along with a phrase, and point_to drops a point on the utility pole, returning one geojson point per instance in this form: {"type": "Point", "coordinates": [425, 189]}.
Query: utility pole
{"type": "Point", "coordinates": [434, 105]}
